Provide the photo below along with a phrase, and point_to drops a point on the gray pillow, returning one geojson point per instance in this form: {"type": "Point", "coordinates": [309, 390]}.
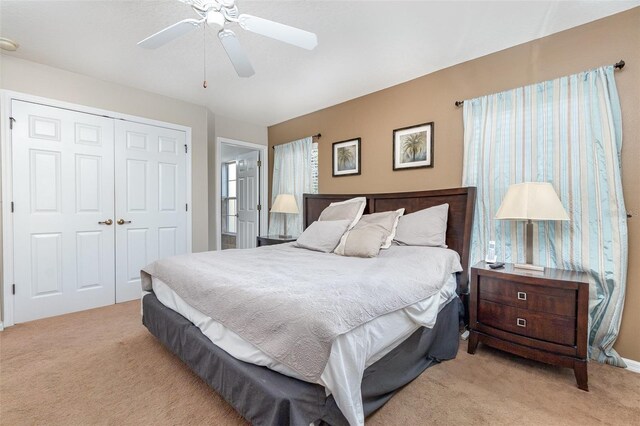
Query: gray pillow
{"type": "Point", "coordinates": [364, 241]}
{"type": "Point", "coordinates": [426, 227]}
{"type": "Point", "coordinates": [384, 221]}
{"type": "Point", "coordinates": [323, 236]}
{"type": "Point", "coordinates": [387, 221]}
{"type": "Point", "coordinates": [350, 209]}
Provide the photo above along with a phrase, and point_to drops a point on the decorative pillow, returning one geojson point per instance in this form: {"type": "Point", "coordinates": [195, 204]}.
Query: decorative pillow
{"type": "Point", "coordinates": [426, 227]}
{"type": "Point", "coordinates": [323, 236]}
{"type": "Point", "coordinates": [364, 241]}
{"type": "Point", "coordinates": [345, 210]}
{"type": "Point", "coordinates": [385, 222]}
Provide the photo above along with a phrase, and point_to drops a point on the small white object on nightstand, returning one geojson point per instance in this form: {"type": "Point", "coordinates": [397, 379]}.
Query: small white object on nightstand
{"type": "Point", "coordinates": [491, 253]}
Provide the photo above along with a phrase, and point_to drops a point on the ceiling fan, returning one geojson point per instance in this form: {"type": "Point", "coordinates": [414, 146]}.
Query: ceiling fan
{"type": "Point", "coordinates": [222, 12]}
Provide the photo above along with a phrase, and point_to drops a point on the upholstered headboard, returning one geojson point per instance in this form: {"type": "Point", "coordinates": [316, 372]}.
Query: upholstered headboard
{"type": "Point", "coordinates": [461, 207]}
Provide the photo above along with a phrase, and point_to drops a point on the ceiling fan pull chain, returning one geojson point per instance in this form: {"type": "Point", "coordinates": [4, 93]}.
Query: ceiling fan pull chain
{"type": "Point", "coordinates": [204, 55]}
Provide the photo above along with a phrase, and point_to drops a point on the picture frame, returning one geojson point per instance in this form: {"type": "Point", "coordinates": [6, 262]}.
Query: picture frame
{"type": "Point", "coordinates": [346, 158]}
{"type": "Point", "coordinates": [413, 147]}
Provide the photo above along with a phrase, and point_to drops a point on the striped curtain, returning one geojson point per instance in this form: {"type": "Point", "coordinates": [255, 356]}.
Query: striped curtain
{"type": "Point", "coordinates": [568, 132]}
{"type": "Point", "coordinates": [292, 174]}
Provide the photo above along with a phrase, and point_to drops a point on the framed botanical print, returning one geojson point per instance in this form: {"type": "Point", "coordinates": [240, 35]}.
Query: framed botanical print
{"type": "Point", "coordinates": [413, 147]}
{"type": "Point", "coordinates": [346, 157]}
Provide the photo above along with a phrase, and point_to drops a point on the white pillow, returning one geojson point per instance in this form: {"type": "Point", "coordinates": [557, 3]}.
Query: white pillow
{"type": "Point", "coordinates": [426, 227]}
{"type": "Point", "coordinates": [351, 210]}
{"type": "Point", "coordinates": [323, 236]}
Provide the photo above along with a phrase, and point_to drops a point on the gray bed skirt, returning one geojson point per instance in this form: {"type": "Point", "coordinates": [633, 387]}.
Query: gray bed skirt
{"type": "Point", "coordinates": [265, 397]}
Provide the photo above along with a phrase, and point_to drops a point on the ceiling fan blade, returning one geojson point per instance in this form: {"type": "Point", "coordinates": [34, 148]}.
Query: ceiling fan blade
{"type": "Point", "coordinates": [176, 30]}
{"type": "Point", "coordinates": [236, 53]}
{"type": "Point", "coordinates": [281, 32]}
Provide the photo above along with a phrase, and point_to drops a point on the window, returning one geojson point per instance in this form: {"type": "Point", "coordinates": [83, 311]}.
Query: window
{"type": "Point", "coordinates": [295, 171]}
{"type": "Point", "coordinates": [314, 168]}
{"type": "Point", "coordinates": [229, 201]}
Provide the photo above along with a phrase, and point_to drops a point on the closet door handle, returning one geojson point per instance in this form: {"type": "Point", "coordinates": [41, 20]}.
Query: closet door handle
{"type": "Point", "coordinates": [106, 222]}
{"type": "Point", "coordinates": [122, 221]}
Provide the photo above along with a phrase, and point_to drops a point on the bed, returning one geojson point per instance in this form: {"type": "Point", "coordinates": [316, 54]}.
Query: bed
{"type": "Point", "coordinates": [361, 365]}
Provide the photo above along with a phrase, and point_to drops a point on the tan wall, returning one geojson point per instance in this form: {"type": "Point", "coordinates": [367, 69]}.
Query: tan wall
{"type": "Point", "coordinates": [241, 131]}
{"type": "Point", "coordinates": [431, 98]}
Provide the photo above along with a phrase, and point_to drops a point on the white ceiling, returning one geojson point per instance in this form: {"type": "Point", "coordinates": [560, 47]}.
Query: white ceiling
{"type": "Point", "coordinates": [364, 46]}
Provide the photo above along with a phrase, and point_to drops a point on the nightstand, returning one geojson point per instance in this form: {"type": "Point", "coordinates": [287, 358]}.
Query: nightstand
{"type": "Point", "coordinates": [269, 240]}
{"type": "Point", "coordinates": [537, 315]}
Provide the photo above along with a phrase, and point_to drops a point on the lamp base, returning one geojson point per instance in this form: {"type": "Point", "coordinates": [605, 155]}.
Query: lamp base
{"type": "Point", "coordinates": [529, 267]}
{"type": "Point", "coordinates": [529, 251]}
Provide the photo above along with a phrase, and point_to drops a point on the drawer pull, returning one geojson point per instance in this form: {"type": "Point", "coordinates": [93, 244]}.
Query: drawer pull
{"type": "Point", "coordinates": [521, 322]}
{"type": "Point", "coordinates": [522, 295]}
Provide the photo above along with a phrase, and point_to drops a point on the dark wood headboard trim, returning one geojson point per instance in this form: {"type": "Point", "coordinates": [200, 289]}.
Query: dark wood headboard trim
{"type": "Point", "coordinates": [461, 209]}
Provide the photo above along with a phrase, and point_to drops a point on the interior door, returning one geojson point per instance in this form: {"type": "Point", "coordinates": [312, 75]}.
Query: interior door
{"type": "Point", "coordinates": [248, 199]}
{"type": "Point", "coordinates": [63, 203]}
{"type": "Point", "coordinates": [151, 209]}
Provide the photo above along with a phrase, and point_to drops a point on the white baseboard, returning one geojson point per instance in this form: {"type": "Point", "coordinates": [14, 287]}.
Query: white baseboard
{"type": "Point", "coordinates": [632, 365]}
{"type": "Point", "coordinates": [1, 326]}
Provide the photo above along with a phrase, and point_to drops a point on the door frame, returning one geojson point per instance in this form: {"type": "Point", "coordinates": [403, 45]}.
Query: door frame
{"type": "Point", "coordinates": [6, 97]}
{"type": "Point", "coordinates": [264, 170]}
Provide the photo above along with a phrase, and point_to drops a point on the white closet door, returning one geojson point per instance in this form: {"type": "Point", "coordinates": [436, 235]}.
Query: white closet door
{"type": "Point", "coordinates": [151, 201]}
{"type": "Point", "coordinates": [62, 188]}
{"type": "Point", "coordinates": [248, 219]}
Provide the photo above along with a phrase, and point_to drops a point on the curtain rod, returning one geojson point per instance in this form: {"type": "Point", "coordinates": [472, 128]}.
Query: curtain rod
{"type": "Point", "coordinates": [618, 65]}
{"type": "Point", "coordinates": [317, 136]}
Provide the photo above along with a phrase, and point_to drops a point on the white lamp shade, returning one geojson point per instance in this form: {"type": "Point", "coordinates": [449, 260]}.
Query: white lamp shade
{"type": "Point", "coordinates": [285, 203]}
{"type": "Point", "coordinates": [531, 201]}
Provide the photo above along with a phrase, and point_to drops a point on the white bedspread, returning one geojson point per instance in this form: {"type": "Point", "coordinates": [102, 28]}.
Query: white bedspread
{"type": "Point", "coordinates": [351, 353]}
{"type": "Point", "coordinates": [292, 303]}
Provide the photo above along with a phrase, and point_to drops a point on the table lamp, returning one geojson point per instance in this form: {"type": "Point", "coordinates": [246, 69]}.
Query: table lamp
{"type": "Point", "coordinates": [531, 201]}
{"type": "Point", "coordinates": [286, 204]}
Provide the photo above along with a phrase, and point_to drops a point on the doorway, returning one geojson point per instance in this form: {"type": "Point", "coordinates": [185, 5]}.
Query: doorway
{"type": "Point", "coordinates": [241, 193]}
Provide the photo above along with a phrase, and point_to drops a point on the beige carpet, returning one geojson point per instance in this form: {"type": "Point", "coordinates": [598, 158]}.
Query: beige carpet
{"type": "Point", "coordinates": [103, 367]}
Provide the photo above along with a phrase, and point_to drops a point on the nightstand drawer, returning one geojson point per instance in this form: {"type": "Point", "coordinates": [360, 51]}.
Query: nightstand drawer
{"type": "Point", "coordinates": [534, 298]}
{"type": "Point", "coordinates": [542, 326]}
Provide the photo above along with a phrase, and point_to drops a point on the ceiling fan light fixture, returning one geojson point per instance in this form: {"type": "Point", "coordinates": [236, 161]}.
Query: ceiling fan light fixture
{"type": "Point", "coordinates": [214, 17]}
{"type": "Point", "coordinates": [8, 44]}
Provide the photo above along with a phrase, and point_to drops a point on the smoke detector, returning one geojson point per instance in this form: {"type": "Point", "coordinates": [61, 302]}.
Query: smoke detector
{"type": "Point", "coordinates": [8, 44]}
